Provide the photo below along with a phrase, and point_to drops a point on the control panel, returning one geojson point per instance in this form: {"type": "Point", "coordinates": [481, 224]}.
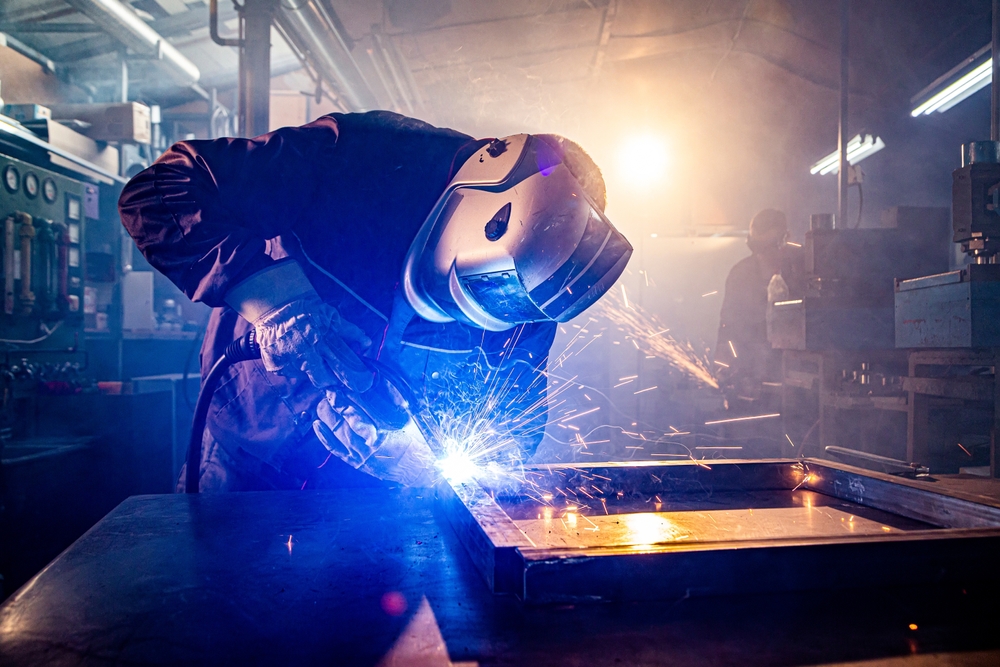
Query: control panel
{"type": "Point", "coordinates": [42, 221]}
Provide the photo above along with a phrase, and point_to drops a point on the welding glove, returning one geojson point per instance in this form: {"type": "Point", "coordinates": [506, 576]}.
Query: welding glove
{"type": "Point", "coordinates": [298, 332]}
{"type": "Point", "coordinates": [398, 454]}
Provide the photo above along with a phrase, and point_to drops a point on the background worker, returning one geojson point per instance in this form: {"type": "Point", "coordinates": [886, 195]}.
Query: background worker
{"type": "Point", "coordinates": [374, 236]}
{"type": "Point", "coordinates": [742, 343]}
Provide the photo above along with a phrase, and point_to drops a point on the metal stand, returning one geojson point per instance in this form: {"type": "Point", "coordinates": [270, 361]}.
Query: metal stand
{"type": "Point", "coordinates": [816, 375]}
{"type": "Point", "coordinates": [927, 393]}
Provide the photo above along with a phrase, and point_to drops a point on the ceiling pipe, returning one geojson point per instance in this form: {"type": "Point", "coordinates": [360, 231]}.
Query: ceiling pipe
{"type": "Point", "coordinates": [315, 34]}
{"type": "Point", "coordinates": [122, 23]}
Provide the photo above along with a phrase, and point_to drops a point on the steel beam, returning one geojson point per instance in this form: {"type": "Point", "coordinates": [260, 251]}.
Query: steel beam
{"type": "Point", "coordinates": [844, 94]}
{"type": "Point", "coordinates": [255, 67]}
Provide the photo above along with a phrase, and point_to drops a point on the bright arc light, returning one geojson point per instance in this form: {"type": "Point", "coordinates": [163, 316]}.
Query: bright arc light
{"type": "Point", "coordinates": [858, 149]}
{"type": "Point", "coordinates": [961, 88]}
{"type": "Point", "coordinates": [458, 467]}
{"type": "Point", "coordinates": [642, 160]}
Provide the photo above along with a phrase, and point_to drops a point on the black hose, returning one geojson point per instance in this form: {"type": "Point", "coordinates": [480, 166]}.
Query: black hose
{"type": "Point", "coordinates": [244, 348]}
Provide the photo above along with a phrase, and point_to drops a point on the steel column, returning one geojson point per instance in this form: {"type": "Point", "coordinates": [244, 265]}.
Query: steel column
{"type": "Point", "coordinates": [255, 67]}
{"type": "Point", "coordinates": [842, 174]}
{"type": "Point", "coordinates": [995, 88]}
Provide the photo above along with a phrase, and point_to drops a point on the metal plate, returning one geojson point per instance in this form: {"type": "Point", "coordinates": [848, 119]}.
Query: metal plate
{"type": "Point", "coordinates": [659, 529]}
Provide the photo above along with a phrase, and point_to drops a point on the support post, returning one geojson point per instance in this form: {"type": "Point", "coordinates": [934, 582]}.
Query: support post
{"type": "Point", "coordinates": [123, 88]}
{"type": "Point", "coordinates": [255, 68]}
{"type": "Point", "coordinates": [995, 87]}
{"type": "Point", "coordinates": [842, 133]}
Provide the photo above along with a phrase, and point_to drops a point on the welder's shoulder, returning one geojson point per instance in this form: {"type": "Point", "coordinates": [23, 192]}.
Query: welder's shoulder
{"type": "Point", "coordinates": [389, 122]}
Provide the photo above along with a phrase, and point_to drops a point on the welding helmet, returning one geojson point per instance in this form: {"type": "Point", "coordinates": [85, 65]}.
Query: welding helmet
{"type": "Point", "coordinates": [514, 238]}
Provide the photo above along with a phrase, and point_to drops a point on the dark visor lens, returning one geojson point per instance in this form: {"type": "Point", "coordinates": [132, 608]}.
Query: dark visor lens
{"type": "Point", "coordinates": [599, 252]}
{"type": "Point", "coordinates": [594, 236]}
{"type": "Point", "coordinates": [604, 271]}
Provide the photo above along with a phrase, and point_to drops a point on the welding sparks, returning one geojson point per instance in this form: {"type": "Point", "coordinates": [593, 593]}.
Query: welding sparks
{"type": "Point", "coordinates": [648, 335]}
{"type": "Point", "coordinates": [710, 293]}
{"type": "Point", "coordinates": [732, 349]}
{"type": "Point", "coordinates": [810, 477]}
{"type": "Point", "coordinates": [579, 414]}
{"type": "Point", "coordinates": [742, 419]}
{"type": "Point", "coordinates": [963, 448]}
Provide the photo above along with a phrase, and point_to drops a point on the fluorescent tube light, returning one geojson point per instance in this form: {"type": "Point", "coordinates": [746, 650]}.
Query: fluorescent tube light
{"type": "Point", "coordinates": [968, 77]}
{"type": "Point", "coordinates": [858, 149]}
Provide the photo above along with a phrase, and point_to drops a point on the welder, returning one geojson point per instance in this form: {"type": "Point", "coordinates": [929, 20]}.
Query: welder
{"type": "Point", "coordinates": [363, 247]}
{"type": "Point", "coordinates": [745, 358]}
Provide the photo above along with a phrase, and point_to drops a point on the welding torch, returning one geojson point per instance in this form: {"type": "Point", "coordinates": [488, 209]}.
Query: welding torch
{"type": "Point", "coordinates": [246, 348]}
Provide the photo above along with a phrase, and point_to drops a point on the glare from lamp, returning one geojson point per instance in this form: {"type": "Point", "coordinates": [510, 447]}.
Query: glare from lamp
{"type": "Point", "coordinates": [642, 160]}
{"type": "Point", "coordinates": [963, 87]}
{"type": "Point", "coordinates": [858, 149]}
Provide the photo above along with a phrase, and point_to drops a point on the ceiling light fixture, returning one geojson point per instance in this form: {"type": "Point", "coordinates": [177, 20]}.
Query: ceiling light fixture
{"type": "Point", "coordinates": [643, 160]}
{"type": "Point", "coordinates": [970, 76]}
{"type": "Point", "coordinates": [858, 149]}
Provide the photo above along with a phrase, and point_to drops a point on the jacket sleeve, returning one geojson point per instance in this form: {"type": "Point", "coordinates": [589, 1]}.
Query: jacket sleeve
{"type": "Point", "coordinates": [202, 213]}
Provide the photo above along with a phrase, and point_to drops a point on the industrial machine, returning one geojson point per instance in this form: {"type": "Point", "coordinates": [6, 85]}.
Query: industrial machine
{"type": "Point", "coordinates": [41, 245]}
{"type": "Point", "coordinates": [848, 304]}
{"type": "Point", "coordinates": [961, 308]}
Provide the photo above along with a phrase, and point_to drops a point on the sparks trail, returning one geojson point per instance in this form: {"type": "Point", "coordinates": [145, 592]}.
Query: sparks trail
{"type": "Point", "coordinates": [649, 336]}
{"type": "Point", "coordinates": [501, 399]}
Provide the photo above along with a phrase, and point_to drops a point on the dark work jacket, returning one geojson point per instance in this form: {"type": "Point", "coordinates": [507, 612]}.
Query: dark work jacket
{"type": "Point", "coordinates": [344, 196]}
{"type": "Point", "coordinates": [743, 318]}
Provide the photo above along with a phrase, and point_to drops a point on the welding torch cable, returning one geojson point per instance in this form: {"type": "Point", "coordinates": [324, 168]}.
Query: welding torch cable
{"type": "Point", "coordinates": [244, 348]}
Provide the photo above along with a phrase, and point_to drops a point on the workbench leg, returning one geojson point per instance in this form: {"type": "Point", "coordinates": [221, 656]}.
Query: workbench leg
{"type": "Point", "coordinates": [917, 428]}
{"type": "Point", "coordinates": [995, 430]}
{"type": "Point", "coordinates": [786, 424]}
{"type": "Point", "coordinates": [824, 427]}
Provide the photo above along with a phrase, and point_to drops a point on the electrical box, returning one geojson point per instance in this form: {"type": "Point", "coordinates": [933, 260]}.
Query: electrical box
{"type": "Point", "coordinates": [42, 227]}
{"type": "Point", "coordinates": [129, 121]}
{"type": "Point", "coordinates": [137, 301]}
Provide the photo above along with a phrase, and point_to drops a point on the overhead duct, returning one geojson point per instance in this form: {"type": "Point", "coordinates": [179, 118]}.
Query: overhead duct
{"type": "Point", "coordinates": [315, 34]}
{"type": "Point", "coordinates": [122, 23]}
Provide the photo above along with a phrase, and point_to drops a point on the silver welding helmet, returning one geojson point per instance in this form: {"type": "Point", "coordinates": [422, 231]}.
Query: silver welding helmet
{"type": "Point", "coordinates": [514, 238]}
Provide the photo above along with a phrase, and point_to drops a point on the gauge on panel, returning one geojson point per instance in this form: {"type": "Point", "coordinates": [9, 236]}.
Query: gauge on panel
{"type": "Point", "coordinates": [49, 190]}
{"type": "Point", "coordinates": [11, 179]}
{"type": "Point", "coordinates": [31, 185]}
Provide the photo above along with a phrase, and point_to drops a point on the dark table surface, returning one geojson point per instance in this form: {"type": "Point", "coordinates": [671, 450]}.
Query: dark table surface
{"type": "Point", "coordinates": [368, 575]}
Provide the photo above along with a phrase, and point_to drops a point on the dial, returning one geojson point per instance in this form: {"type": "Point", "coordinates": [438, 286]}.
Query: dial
{"type": "Point", "coordinates": [11, 179]}
{"type": "Point", "coordinates": [31, 185]}
{"type": "Point", "coordinates": [49, 190]}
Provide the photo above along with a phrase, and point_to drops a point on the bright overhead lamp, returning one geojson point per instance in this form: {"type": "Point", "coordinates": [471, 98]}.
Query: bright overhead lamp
{"type": "Point", "coordinates": [970, 76]}
{"type": "Point", "coordinates": [643, 160]}
{"type": "Point", "coordinates": [858, 149]}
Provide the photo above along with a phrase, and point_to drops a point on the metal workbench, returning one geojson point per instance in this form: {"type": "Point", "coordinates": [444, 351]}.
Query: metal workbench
{"type": "Point", "coordinates": [356, 576]}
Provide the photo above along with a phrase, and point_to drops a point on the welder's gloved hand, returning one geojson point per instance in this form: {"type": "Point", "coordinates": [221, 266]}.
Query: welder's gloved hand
{"type": "Point", "coordinates": [298, 332]}
{"type": "Point", "coordinates": [396, 454]}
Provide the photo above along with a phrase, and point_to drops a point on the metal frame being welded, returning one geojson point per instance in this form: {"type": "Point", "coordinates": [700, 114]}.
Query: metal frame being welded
{"type": "Point", "coordinates": [961, 545]}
